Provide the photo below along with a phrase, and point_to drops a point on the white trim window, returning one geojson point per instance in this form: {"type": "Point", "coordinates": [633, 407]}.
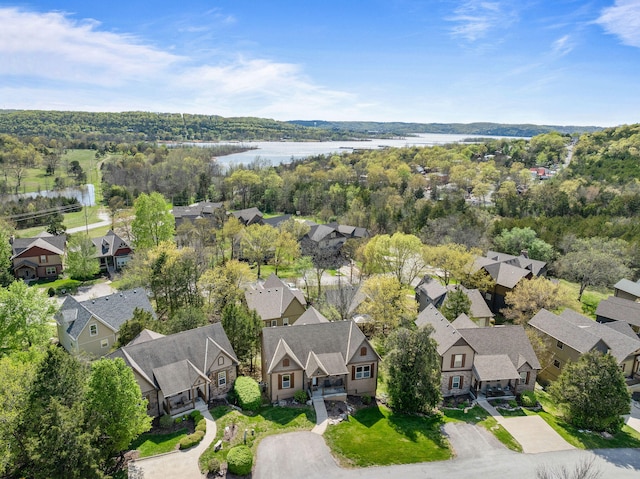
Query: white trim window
{"type": "Point", "coordinates": [286, 381]}
{"type": "Point", "coordinates": [222, 379]}
{"type": "Point", "coordinates": [363, 372]}
{"type": "Point", "coordinates": [104, 343]}
{"type": "Point", "coordinates": [285, 321]}
{"type": "Point", "coordinates": [50, 270]}
{"type": "Point", "coordinates": [455, 382]}
{"type": "Point", "coordinates": [274, 323]}
{"type": "Point", "coordinates": [93, 330]}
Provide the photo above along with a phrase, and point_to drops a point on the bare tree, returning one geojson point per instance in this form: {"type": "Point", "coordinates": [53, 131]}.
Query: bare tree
{"type": "Point", "coordinates": [585, 469]}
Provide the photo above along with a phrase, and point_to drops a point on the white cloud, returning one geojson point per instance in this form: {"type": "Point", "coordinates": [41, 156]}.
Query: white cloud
{"type": "Point", "coordinates": [562, 46]}
{"type": "Point", "coordinates": [475, 19]}
{"type": "Point", "coordinates": [622, 20]}
{"type": "Point", "coordinates": [50, 60]}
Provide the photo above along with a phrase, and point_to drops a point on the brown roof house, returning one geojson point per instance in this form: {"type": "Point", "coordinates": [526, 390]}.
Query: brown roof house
{"type": "Point", "coordinates": [39, 257]}
{"type": "Point", "coordinates": [275, 302]}
{"type": "Point", "coordinates": [483, 362]}
{"type": "Point", "coordinates": [326, 359]}
{"type": "Point", "coordinates": [569, 335]}
{"type": "Point", "coordinates": [249, 216]}
{"type": "Point", "coordinates": [113, 251]}
{"type": "Point", "coordinates": [506, 271]}
{"type": "Point", "coordinates": [182, 371]}
{"type": "Point", "coordinates": [92, 326]}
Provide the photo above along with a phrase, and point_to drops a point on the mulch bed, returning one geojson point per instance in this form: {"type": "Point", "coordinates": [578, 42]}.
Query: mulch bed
{"type": "Point", "coordinates": [175, 426]}
{"type": "Point", "coordinates": [335, 409]}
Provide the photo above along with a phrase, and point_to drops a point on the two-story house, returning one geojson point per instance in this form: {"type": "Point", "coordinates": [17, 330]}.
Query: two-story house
{"type": "Point", "coordinates": [39, 257]}
{"type": "Point", "coordinates": [112, 251]}
{"type": "Point", "coordinates": [276, 303]}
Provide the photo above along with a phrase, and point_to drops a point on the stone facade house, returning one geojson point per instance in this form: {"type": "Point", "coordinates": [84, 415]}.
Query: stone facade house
{"type": "Point", "coordinates": [39, 257]}
{"type": "Point", "coordinates": [92, 326]}
{"type": "Point", "coordinates": [179, 372]}
{"type": "Point", "coordinates": [570, 335]}
{"type": "Point", "coordinates": [326, 359]}
{"type": "Point", "coordinates": [276, 303]}
{"type": "Point", "coordinates": [483, 362]}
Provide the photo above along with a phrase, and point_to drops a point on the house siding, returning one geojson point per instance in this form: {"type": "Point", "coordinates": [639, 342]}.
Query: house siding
{"type": "Point", "coordinates": [359, 387]}
{"type": "Point", "coordinates": [277, 393]}
{"type": "Point", "coordinates": [34, 255]}
{"type": "Point", "coordinates": [91, 344]}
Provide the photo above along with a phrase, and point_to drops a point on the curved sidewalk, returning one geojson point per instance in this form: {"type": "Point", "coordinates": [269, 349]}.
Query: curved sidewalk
{"type": "Point", "coordinates": [176, 464]}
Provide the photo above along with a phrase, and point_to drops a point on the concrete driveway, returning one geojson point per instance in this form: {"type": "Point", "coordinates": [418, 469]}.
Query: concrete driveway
{"type": "Point", "coordinates": [633, 419]}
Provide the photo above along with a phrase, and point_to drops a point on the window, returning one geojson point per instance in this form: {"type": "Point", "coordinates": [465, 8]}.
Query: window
{"type": "Point", "coordinates": [43, 258]}
{"type": "Point", "coordinates": [50, 270]}
{"type": "Point", "coordinates": [363, 351]}
{"type": "Point", "coordinates": [285, 363]}
{"type": "Point", "coordinates": [274, 322]}
{"type": "Point", "coordinates": [93, 330]}
{"type": "Point", "coordinates": [556, 363]}
{"type": "Point", "coordinates": [559, 345]}
{"type": "Point", "coordinates": [222, 379]}
{"type": "Point", "coordinates": [104, 343]}
{"type": "Point", "coordinates": [457, 360]}
{"type": "Point", "coordinates": [524, 377]}
{"type": "Point", "coordinates": [286, 381]}
{"type": "Point", "coordinates": [221, 361]}
{"type": "Point", "coordinates": [455, 383]}
{"type": "Point", "coordinates": [487, 296]}
{"type": "Point", "coordinates": [285, 321]}
{"type": "Point", "coordinates": [363, 372]}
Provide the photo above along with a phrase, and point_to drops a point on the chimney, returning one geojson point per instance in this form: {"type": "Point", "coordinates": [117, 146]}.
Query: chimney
{"type": "Point", "coordinates": [525, 253]}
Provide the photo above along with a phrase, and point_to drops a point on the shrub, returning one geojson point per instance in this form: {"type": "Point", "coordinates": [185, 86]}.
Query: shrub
{"type": "Point", "coordinates": [528, 399]}
{"type": "Point", "coordinates": [240, 460]}
{"type": "Point", "coordinates": [201, 425]}
{"type": "Point", "coordinates": [232, 397]}
{"type": "Point", "coordinates": [300, 396]}
{"type": "Point", "coordinates": [165, 421]}
{"type": "Point", "coordinates": [513, 404]}
{"type": "Point", "coordinates": [366, 399]}
{"type": "Point", "coordinates": [248, 392]}
{"type": "Point", "coordinates": [191, 440]}
{"type": "Point", "coordinates": [213, 466]}
{"type": "Point", "coordinates": [196, 416]}
{"type": "Point", "coordinates": [51, 292]}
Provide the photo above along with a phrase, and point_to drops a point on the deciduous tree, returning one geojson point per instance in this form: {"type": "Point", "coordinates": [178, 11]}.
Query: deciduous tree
{"type": "Point", "coordinates": [81, 261]}
{"type": "Point", "coordinates": [153, 222]}
{"type": "Point", "coordinates": [387, 302]}
{"type": "Point", "coordinates": [529, 297]}
{"type": "Point", "coordinates": [399, 254]}
{"type": "Point", "coordinates": [258, 243]}
{"type": "Point", "coordinates": [518, 240]}
{"type": "Point", "coordinates": [221, 285]}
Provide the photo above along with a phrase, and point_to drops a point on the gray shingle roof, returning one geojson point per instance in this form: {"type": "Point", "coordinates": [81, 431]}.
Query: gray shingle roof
{"type": "Point", "coordinates": [199, 346]}
{"type": "Point", "coordinates": [505, 274]}
{"type": "Point", "coordinates": [272, 298]}
{"type": "Point", "coordinates": [478, 308]}
{"type": "Point", "coordinates": [311, 316]}
{"type": "Point", "coordinates": [443, 331]}
{"type": "Point", "coordinates": [55, 244]}
{"type": "Point", "coordinates": [144, 336]}
{"type": "Point", "coordinates": [109, 244]}
{"type": "Point", "coordinates": [178, 377]}
{"type": "Point", "coordinates": [533, 265]}
{"type": "Point", "coordinates": [319, 232]}
{"type": "Point", "coordinates": [463, 322]}
{"type": "Point", "coordinates": [628, 286]}
{"type": "Point", "coordinates": [511, 341]}
{"type": "Point", "coordinates": [619, 309]}
{"type": "Point", "coordinates": [492, 367]}
{"type": "Point", "coordinates": [343, 337]}
{"type": "Point", "coordinates": [275, 221]}
{"type": "Point", "coordinates": [113, 310]}
{"type": "Point", "coordinates": [248, 216]}
{"type": "Point", "coordinates": [432, 288]}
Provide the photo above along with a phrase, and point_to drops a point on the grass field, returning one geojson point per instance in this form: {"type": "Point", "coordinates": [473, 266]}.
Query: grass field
{"type": "Point", "coordinates": [407, 439]}
{"type": "Point", "coordinates": [153, 444]}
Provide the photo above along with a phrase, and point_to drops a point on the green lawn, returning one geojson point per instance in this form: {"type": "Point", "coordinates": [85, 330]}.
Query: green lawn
{"type": "Point", "coordinates": [581, 439]}
{"type": "Point", "coordinates": [481, 417]}
{"type": "Point", "coordinates": [377, 436]}
{"type": "Point", "coordinates": [590, 297]}
{"type": "Point", "coordinates": [153, 444]}
{"type": "Point", "coordinates": [268, 421]}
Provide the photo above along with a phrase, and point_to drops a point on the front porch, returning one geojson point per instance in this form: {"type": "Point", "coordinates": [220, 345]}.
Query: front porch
{"type": "Point", "coordinates": [328, 388]}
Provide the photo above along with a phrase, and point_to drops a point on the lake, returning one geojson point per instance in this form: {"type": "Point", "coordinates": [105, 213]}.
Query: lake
{"type": "Point", "coordinates": [277, 152]}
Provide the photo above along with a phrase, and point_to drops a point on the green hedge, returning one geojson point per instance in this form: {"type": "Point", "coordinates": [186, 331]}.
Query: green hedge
{"type": "Point", "coordinates": [202, 425]}
{"type": "Point", "coordinates": [248, 392]}
{"type": "Point", "coordinates": [191, 440]}
{"type": "Point", "coordinates": [240, 460]}
{"type": "Point", "coordinates": [528, 399]}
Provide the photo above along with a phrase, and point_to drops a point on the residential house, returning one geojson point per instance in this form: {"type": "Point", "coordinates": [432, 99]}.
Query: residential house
{"type": "Point", "coordinates": [276, 221]}
{"type": "Point", "coordinates": [350, 232]}
{"type": "Point", "coordinates": [92, 326]}
{"type": "Point", "coordinates": [496, 361]}
{"type": "Point", "coordinates": [570, 335]}
{"type": "Point", "coordinates": [113, 251]}
{"type": "Point", "coordinates": [276, 303]}
{"type": "Point", "coordinates": [479, 312]}
{"type": "Point", "coordinates": [327, 359]}
{"type": "Point", "coordinates": [627, 289]}
{"type": "Point", "coordinates": [537, 267]}
{"type": "Point", "coordinates": [505, 276]}
{"type": "Point", "coordinates": [182, 371]}
{"type": "Point", "coordinates": [248, 216]}
{"type": "Point", "coordinates": [311, 316]}
{"type": "Point", "coordinates": [430, 291]}
{"type": "Point", "coordinates": [617, 308]}
{"type": "Point", "coordinates": [39, 257]}
{"type": "Point", "coordinates": [322, 237]}
{"type": "Point", "coordinates": [204, 209]}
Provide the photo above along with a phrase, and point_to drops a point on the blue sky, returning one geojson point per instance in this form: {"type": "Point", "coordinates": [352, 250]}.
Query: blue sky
{"type": "Point", "coordinates": [516, 61]}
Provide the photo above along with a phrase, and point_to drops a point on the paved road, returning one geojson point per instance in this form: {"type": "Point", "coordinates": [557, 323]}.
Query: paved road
{"type": "Point", "coordinates": [304, 454]}
{"type": "Point", "coordinates": [106, 221]}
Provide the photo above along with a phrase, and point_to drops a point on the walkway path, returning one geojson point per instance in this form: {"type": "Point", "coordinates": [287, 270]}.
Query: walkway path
{"type": "Point", "coordinates": [322, 418]}
{"type": "Point", "coordinates": [106, 221]}
{"type": "Point", "coordinates": [532, 432]}
{"type": "Point", "coordinates": [177, 464]}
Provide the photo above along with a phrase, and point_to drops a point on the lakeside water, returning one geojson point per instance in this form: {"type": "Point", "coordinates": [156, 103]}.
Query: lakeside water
{"type": "Point", "coordinates": [277, 152]}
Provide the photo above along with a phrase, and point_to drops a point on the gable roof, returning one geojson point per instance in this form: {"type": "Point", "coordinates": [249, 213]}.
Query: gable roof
{"type": "Point", "coordinates": [325, 340]}
{"type": "Point", "coordinates": [196, 210]}
{"type": "Point", "coordinates": [112, 310]}
{"type": "Point", "coordinates": [318, 232]}
{"type": "Point", "coordinates": [47, 241]}
{"type": "Point", "coordinates": [188, 353]}
{"type": "Point", "coordinates": [511, 341]}
{"type": "Point", "coordinates": [463, 322]}
{"type": "Point", "coordinates": [431, 288]}
{"type": "Point", "coordinates": [478, 307]}
{"type": "Point", "coordinates": [272, 298]}
{"type": "Point", "coordinates": [177, 377]}
{"type": "Point", "coordinates": [311, 316]}
{"type": "Point", "coordinates": [619, 309]}
{"type": "Point", "coordinates": [583, 334]}
{"type": "Point", "coordinates": [522, 261]}
{"type": "Point", "coordinates": [443, 331]}
{"type": "Point", "coordinates": [109, 244]}
{"type": "Point", "coordinates": [275, 221]}
{"type": "Point", "coordinates": [505, 274]}
{"type": "Point", "coordinates": [248, 216]}
{"type": "Point", "coordinates": [628, 286]}
{"type": "Point", "coordinates": [491, 367]}
{"type": "Point", "coordinates": [144, 336]}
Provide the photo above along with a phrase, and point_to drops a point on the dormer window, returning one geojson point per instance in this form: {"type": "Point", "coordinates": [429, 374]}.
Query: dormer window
{"type": "Point", "coordinates": [285, 363]}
